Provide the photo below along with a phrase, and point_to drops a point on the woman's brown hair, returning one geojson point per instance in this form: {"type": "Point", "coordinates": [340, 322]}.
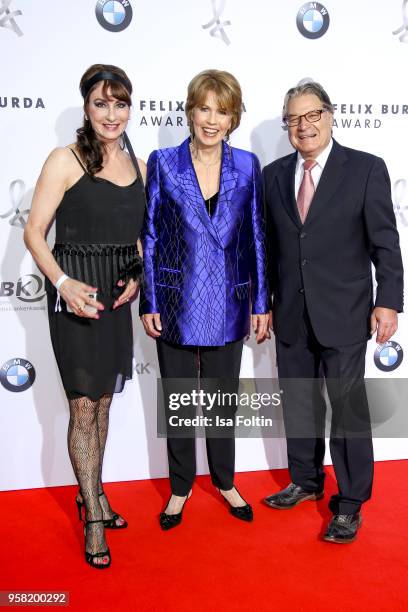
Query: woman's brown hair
{"type": "Point", "coordinates": [226, 89]}
{"type": "Point", "coordinates": [90, 148]}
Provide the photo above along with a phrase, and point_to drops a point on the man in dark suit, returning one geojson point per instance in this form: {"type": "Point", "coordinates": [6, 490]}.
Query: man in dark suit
{"type": "Point", "coordinates": [329, 216]}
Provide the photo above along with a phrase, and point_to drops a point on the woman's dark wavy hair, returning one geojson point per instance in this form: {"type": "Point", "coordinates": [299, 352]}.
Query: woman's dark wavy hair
{"type": "Point", "coordinates": [90, 148]}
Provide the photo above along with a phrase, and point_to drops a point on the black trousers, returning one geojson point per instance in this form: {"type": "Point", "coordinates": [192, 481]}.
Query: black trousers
{"type": "Point", "coordinates": [304, 409]}
{"type": "Point", "coordinates": [222, 365]}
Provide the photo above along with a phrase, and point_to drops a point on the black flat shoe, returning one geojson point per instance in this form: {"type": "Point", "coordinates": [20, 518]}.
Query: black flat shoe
{"type": "Point", "coordinates": [168, 521]}
{"type": "Point", "coordinates": [343, 528]}
{"type": "Point", "coordinates": [90, 557]}
{"type": "Point", "coordinates": [291, 497]}
{"type": "Point", "coordinates": [244, 513]}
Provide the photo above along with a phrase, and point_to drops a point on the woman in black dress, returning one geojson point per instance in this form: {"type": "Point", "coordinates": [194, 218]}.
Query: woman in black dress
{"type": "Point", "coordinates": [96, 191]}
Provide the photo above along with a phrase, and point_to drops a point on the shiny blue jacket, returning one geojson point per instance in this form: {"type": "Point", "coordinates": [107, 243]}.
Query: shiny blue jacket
{"type": "Point", "coordinates": [202, 273]}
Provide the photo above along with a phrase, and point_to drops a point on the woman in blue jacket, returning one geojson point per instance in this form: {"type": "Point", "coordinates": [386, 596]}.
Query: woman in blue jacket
{"type": "Point", "coordinates": [204, 265]}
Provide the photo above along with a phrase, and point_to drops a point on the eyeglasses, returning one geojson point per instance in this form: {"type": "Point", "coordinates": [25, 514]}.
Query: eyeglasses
{"type": "Point", "coordinates": [312, 117]}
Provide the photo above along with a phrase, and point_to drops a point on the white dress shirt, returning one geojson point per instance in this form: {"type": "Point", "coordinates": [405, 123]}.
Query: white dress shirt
{"type": "Point", "coordinates": [317, 170]}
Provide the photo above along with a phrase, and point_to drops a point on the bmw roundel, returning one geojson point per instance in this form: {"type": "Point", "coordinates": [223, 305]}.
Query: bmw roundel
{"type": "Point", "coordinates": [312, 20]}
{"type": "Point", "coordinates": [17, 375]}
{"type": "Point", "coordinates": [114, 15]}
{"type": "Point", "coordinates": [388, 356]}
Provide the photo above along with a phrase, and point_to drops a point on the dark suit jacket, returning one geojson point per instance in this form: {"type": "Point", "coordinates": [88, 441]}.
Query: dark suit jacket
{"type": "Point", "coordinates": [327, 261]}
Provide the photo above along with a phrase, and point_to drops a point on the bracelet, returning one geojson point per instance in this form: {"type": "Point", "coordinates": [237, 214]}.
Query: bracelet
{"type": "Point", "coordinates": [57, 285]}
{"type": "Point", "coordinates": [61, 280]}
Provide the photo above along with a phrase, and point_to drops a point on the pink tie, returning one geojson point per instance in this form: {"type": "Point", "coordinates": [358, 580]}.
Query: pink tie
{"type": "Point", "coordinates": [307, 189]}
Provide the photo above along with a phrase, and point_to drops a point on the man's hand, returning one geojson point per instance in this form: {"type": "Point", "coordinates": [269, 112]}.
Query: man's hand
{"type": "Point", "coordinates": [260, 327]}
{"type": "Point", "coordinates": [384, 321]}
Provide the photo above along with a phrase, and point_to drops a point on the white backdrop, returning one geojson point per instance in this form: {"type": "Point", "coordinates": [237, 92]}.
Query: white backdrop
{"type": "Point", "coordinates": [45, 48]}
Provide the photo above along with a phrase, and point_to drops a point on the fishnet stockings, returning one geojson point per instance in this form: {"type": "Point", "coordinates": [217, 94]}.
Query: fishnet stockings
{"type": "Point", "coordinates": [103, 424]}
{"type": "Point", "coordinates": [84, 452]}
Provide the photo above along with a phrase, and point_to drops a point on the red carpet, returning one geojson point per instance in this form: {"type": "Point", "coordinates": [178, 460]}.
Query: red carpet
{"type": "Point", "coordinates": [212, 561]}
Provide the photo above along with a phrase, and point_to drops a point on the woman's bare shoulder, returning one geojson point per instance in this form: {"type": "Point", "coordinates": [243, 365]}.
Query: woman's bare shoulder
{"type": "Point", "coordinates": [61, 157]}
{"type": "Point", "coordinates": [61, 164]}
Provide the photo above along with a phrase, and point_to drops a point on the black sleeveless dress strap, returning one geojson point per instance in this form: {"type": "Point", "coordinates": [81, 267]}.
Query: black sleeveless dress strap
{"type": "Point", "coordinates": [133, 158]}
{"type": "Point", "coordinates": [131, 155]}
{"type": "Point", "coordinates": [78, 160]}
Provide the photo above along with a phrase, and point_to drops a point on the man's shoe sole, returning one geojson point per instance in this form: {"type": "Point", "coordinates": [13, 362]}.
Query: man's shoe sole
{"type": "Point", "coordinates": [333, 540]}
{"type": "Point", "coordinates": [311, 497]}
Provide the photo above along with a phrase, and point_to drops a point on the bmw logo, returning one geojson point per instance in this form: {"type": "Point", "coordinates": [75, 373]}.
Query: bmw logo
{"type": "Point", "coordinates": [388, 356]}
{"type": "Point", "coordinates": [114, 15]}
{"type": "Point", "coordinates": [312, 20]}
{"type": "Point", "coordinates": [17, 375]}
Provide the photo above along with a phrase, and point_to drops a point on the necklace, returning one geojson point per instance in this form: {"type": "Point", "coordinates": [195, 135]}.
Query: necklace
{"type": "Point", "coordinates": [209, 175]}
{"type": "Point", "coordinates": [212, 203]}
{"type": "Point", "coordinates": [195, 157]}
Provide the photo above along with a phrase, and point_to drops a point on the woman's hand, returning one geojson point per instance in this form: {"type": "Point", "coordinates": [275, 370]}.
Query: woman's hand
{"type": "Point", "coordinates": [128, 293]}
{"type": "Point", "coordinates": [152, 324]}
{"type": "Point", "coordinates": [260, 325]}
{"type": "Point", "coordinates": [76, 295]}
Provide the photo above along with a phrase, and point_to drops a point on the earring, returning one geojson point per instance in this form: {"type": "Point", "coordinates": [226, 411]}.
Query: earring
{"type": "Point", "coordinates": [123, 144]}
{"type": "Point", "coordinates": [86, 118]}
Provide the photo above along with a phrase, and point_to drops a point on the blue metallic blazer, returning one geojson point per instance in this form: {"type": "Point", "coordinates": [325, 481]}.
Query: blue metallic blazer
{"type": "Point", "coordinates": [202, 273]}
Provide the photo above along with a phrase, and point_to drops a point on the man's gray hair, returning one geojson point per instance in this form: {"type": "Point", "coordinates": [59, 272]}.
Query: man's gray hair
{"type": "Point", "coordinates": [308, 87]}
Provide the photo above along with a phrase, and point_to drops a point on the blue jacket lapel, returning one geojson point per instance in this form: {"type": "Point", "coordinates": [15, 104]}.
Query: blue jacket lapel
{"type": "Point", "coordinates": [192, 192]}
{"type": "Point", "coordinates": [228, 181]}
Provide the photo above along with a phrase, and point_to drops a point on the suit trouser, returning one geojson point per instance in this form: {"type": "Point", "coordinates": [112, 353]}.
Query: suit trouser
{"type": "Point", "coordinates": [304, 409]}
{"type": "Point", "coordinates": [222, 365]}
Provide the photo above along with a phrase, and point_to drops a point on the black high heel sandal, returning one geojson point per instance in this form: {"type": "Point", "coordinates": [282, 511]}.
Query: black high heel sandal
{"type": "Point", "coordinates": [90, 557]}
{"type": "Point", "coordinates": [244, 513]}
{"type": "Point", "coordinates": [168, 521]}
{"type": "Point", "coordinates": [108, 523]}
{"type": "Point", "coordinates": [111, 523]}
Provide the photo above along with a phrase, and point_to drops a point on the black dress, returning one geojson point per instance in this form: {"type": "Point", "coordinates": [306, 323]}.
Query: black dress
{"type": "Point", "coordinates": [97, 226]}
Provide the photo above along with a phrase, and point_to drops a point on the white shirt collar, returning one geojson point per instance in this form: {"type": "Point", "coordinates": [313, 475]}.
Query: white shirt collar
{"type": "Point", "coordinates": [320, 159]}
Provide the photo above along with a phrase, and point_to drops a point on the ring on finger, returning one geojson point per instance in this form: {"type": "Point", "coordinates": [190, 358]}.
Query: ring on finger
{"type": "Point", "coordinates": [81, 308]}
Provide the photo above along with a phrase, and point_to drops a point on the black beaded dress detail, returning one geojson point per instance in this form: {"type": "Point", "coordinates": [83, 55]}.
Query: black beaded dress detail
{"type": "Point", "coordinates": [97, 227]}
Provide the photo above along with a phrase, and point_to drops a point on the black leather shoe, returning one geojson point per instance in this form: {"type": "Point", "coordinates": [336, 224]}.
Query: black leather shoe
{"type": "Point", "coordinates": [244, 513]}
{"type": "Point", "coordinates": [291, 496]}
{"type": "Point", "coordinates": [168, 521]}
{"type": "Point", "coordinates": [342, 528]}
